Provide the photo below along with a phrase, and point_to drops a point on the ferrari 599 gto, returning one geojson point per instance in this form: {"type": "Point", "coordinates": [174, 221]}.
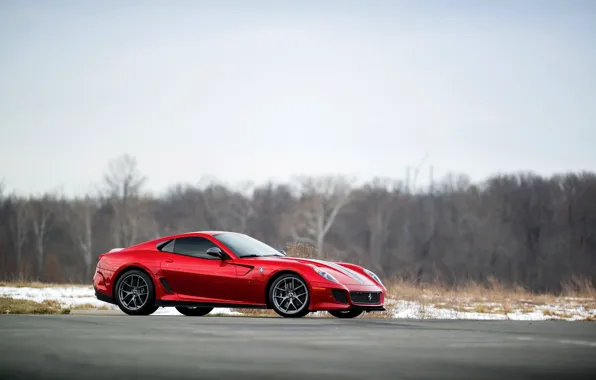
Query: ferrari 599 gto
{"type": "Point", "coordinates": [196, 272]}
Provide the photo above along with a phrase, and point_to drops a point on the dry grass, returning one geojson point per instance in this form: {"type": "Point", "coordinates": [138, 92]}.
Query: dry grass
{"type": "Point", "coordinates": [494, 298]}
{"type": "Point", "coordinates": [557, 314]}
{"type": "Point", "coordinates": [17, 306]}
{"type": "Point", "coordinates": [493, 292]}
{"type": "Point", "coordinates": [579, 287]}
{"type": "Point", "coordinates": [300, 250]}
{"type": "Point", "coordinates": [257, 312]}
{"type": "Point", "coordinates": [88, 306]}
{"type": "Point", "coordinates": [483, 308]}
{"type": "Point", "coordinates": [576, 287]}
{"type": "Point", "coordinates": [548, 313]}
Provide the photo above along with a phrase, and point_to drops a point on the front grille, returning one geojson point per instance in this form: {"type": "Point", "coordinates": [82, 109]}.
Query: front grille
{"type": "Point", "coordinates": [340, 295]}
{"type": "Point", "coordinates": [366, 297]}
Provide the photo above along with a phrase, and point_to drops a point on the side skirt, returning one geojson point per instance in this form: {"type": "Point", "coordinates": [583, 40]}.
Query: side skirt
{"type": "Point", "coordinates": [206, 304]}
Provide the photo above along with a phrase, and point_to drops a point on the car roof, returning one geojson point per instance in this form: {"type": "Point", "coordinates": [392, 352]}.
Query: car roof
{"type": "Point", "coordinates": [212, 233]}
{"type": "Point", "coordinates": [179, 235]}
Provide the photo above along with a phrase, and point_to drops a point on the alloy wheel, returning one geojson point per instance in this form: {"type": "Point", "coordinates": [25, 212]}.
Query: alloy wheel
{"type": "Point", "coordinates": [290, 296]}
{"type": "Point", "coordinates": [133, 292]}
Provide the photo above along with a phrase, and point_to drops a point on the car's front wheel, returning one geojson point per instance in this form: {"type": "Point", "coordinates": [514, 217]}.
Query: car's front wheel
{"type": "Point", "coordinates": [135, 294]}
{"type": "Point", "coordinates": [345, 313]}
{"type": "Point", "coordinates": [196, 311]}
{"type": "Point", "coordinates": [289, 296]}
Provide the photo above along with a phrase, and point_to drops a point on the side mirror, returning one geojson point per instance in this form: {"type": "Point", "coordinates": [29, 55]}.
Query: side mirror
{"type": "Point", "coordinates": [283, 252]}
{"type": "Point", "coordinates": [216, 252]}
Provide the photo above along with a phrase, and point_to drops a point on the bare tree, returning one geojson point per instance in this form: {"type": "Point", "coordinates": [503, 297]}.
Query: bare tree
{"type": "Point", "coordinates": [40, 213]}
{"type": "Point", "coordinates": [229, 209]}
{"type": "Point", "coordinates": [520, 228]}
{"type": "Point", "coordinates": [242, 207]}
{"type": "Point", "coordinates": [80, 222]}
{"type": "Point", "coordinates": [182, 210]}
{"type": "Point", "coordinates": [123, 184]}
{"type": "Point", "coordinates": [322, 199]}
{"type": "Point", "coordinates": [19, 227]}
{"type": "Point", "coordinates": [271, 203]}
{"type": "Point", "coordinates": [382, 197]}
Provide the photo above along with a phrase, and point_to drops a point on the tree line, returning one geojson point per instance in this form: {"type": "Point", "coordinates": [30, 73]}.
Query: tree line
{"type": "Point", "coordinates": [519, 228]}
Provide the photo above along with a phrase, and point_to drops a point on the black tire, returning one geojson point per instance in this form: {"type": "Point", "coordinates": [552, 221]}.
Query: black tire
{"type": "Point", "coordinates": [148, 307]}
{"type": "Point", "coordinates": [296, 280]}
{"type": "Point", "coordinates": [345, 313]}
{"type": "Point", "coordinates": [194, 311]}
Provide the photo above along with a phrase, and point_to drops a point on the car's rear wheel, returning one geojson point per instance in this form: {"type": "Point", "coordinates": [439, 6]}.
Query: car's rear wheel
{"type": "Point", "coordinates": [289, 296]}
{"type": "Point", "coordinates": [135, 294]}
{"type": "Point", "coordinates": [345, 313]}
{"type": "Point", "coordinates": [195, 311]}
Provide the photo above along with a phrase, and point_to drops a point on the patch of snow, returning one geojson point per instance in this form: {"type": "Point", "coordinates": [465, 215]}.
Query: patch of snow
{"type": "Point", "coordinates": [563, 310]}
{"type": "Point", "coordinates": [67, 296]}
{"type": "Point", "coordinates": [72, 296]}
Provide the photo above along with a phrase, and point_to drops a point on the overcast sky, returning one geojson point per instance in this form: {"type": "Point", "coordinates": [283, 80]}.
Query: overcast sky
{"type": "Point", "coordinates": [255, 90]}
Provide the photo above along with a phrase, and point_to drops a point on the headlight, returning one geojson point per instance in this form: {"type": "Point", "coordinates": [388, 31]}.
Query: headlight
{"type": "Point", "coordinates": [325, 275]}
{"type": "Point", "coordinates": [374, 276]}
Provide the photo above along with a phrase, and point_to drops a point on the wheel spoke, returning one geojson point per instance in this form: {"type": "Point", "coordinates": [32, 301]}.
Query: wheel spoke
{"type": "Point", "coordinates": [285, 297]}
{"type": "Point", "coordinates": [133, 292]}
{"type": "Point", "coordinates": [129, 301]}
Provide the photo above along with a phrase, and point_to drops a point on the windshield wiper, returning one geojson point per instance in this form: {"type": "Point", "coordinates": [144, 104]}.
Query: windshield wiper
{"type": "Point", "coordinates": [251, 255]}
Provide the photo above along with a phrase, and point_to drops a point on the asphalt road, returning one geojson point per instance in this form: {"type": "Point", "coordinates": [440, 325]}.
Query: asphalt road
{"type": "Point", "coordinates": [177, 347]}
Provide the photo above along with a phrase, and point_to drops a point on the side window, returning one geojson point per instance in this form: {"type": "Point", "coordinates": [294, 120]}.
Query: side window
{"type": "Point", "coordinates": [194, 246]}
{"type": "Point", "coordinates": [167, 246]}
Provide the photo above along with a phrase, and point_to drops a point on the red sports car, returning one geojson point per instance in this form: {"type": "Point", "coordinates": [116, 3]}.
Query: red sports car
{"type": "Point", "coordinates": [198, 271]}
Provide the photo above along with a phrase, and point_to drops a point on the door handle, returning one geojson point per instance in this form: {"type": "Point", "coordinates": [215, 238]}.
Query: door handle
{"type": "Point", "coordinates": [169, 261]}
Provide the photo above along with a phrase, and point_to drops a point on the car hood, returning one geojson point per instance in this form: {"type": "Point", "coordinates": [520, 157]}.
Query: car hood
{"type": "Point", "coordinates": [342, 274]}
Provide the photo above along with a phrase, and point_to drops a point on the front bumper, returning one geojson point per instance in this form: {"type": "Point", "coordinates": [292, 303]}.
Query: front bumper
{"type": "Point", "coordinates": [326, 296]}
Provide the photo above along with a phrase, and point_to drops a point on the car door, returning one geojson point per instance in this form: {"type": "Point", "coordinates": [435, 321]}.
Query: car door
{"type": "Point", "coordinates": [196, 276]}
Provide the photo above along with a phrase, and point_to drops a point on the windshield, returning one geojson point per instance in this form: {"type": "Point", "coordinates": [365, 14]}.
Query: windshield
{"type": "Point", "coordinates": [245, 246]}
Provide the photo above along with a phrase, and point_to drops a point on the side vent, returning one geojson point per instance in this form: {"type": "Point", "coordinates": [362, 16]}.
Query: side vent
{"type": "Point", "coordinates": [166, 286]}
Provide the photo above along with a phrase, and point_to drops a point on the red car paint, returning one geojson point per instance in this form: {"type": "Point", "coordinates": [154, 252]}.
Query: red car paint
{"type": "Point", "coordinates": [234, 282]}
